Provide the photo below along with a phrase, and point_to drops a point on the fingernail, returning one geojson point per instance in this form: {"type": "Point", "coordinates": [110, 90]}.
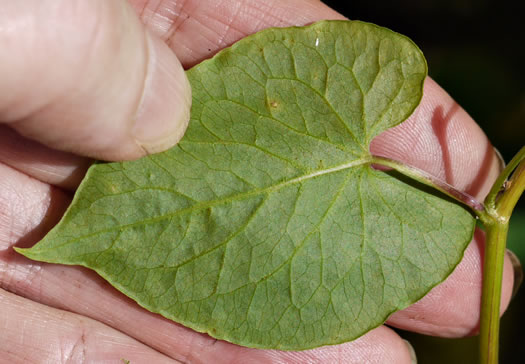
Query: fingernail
{"type": "Point", "coordinates": [518, 272]}
{"type": "Point", "coordinates": [500, 159]}
{"type": "Point", "coordinates": [164, 110]}
{"type": "Point", "coordinates": [413, 358]}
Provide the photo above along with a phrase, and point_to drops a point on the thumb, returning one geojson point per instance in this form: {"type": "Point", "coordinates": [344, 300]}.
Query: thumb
{"type": "Point", "coordinates": [85, 76]}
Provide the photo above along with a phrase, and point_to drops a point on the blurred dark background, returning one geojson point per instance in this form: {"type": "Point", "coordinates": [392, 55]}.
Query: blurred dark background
{"type": "Point", "coordinates": [476, 51]}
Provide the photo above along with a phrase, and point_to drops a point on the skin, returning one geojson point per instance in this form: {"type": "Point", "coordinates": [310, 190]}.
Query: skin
{"type": "Point", "coordinates": [72, 69]}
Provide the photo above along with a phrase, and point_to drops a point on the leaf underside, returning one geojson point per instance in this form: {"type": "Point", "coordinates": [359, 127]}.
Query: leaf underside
{"type": "Point", "coordinates": [266, 226]}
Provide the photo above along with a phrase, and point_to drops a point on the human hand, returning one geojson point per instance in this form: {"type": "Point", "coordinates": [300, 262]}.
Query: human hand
{"type": "Point", "coordinates": [80, 92]}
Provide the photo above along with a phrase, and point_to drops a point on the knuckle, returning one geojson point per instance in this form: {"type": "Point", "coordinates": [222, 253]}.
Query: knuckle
{"type": "Point", "coordinates": [165, 17]}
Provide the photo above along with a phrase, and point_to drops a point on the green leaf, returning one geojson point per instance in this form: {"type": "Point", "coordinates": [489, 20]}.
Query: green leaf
{"type": "Point", "coordinates": [267, 226]}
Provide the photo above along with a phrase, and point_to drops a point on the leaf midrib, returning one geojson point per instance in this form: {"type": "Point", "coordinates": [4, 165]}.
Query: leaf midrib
{"type": "Point", "coordinates": [207, 204]}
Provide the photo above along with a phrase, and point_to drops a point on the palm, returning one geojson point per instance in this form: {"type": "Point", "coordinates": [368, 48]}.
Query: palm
{"type": "Point", "coordinates": [62, 312]}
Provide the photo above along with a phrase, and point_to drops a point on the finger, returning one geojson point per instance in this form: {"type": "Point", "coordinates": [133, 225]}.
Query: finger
{"type": "Point", "coordinates": [87, 294]}
{"type": "Point", "coordinates": [34, 333]}
{"type": "Point", "coordinates": [196, 29]}
{"type": "Point", "coordinates": [451, 310]}
{"type": "Point", "coordinates": [104, 304]}
{"type": "Point", "coordinates": [86, 77]}
{"type": "Point", "coordinates": [28, 208]}
{"type": "Point", "coordinates": [48, 165]}
{"type": "Point", "coordinates": [66, 170]}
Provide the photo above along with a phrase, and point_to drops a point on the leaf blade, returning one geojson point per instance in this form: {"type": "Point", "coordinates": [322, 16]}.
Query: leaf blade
{"type": "Point", "coordinates": [266, 226]}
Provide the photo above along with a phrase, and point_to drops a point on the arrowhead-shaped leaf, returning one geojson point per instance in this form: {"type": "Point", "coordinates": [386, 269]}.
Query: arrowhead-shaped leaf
{"type": "Point", "coordinates": [266, 226]}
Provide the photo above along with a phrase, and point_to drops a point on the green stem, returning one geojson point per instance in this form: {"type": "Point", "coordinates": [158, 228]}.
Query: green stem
{"type": "Point", "coordinates": [490, 200]}
{"type": "Point", "coordinates": [499, 205]}
{"type": "Point", "coordinates": [496, 238]}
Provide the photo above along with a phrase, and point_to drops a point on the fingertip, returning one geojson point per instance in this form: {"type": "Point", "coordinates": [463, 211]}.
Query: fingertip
{"type": "Point", "coordinates": [97, 84]}
{"type": "Point", "coordinates": [164, 109]}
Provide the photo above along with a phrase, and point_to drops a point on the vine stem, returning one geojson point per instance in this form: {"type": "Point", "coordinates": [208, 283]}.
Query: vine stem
{"type": "Point", "coordinates": [495, 246]}
{"type": "Point", "coordinates": [499, 205]}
